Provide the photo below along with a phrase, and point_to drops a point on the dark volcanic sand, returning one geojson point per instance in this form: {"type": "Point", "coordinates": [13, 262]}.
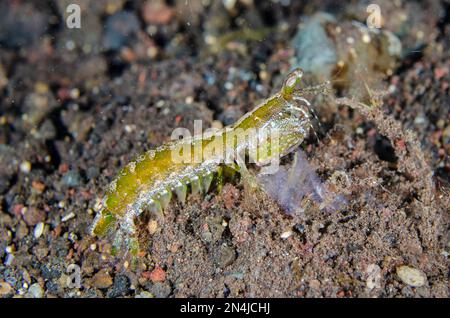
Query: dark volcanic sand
{"type": "Point", "coordinates": [76, 105]}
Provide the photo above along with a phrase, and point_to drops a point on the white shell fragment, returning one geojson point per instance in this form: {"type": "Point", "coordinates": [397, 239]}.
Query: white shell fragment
{"type": "Point", "coordinates": [69, 216]}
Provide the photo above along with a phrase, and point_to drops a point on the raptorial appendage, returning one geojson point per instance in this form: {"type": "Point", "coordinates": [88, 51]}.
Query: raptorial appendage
{"type": "Point", "coordinates": [151, 182]}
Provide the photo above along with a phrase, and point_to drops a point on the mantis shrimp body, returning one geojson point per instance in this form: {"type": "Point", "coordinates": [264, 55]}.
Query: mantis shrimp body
{"type": "Point", "coordinates": [155, 178]}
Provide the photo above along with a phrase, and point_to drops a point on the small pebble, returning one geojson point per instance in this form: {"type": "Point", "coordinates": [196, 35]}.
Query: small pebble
{"type": "Point", "coordinates": [411, 276]}
{"type": "Point", "coordinates": [130, 128]}
{"type": "Point", "coordinates": [69, 216]}
{"type": "Point", "coordinates": [25, 167]}
{"type": "Point", "coordinates": [158, 275]}
{"type": "Point", "coordinates": [71, 179]}
{"type": "Point", "coordinates": [33, 216]}
{"type": "Point", "coordinates": [286, 234]}
{"type": "Point", "coordinates": [228, 86]}
{"type": "Point", "coordinates": [120, 287]}
{"type": "Point", "coordinates": [373, 276]}
{"type": "Point", "coordinates": [419, 120]}
{"type": "Point", "coordinates": [160, 290]}
{"type": "Point", "coordinates": [152, 226]}
{"type": "Point", "coordinates": [35, 291]}
{"type": "Point", "coordinates": [9, 259]}
{"type": "Point", "coordinates": [225, 256]}
{"type": "Point", "coordinates": [144, 294]}
{"type": "Point", "coordinates": [102, 280]}
{"type": "Point", "coordinates": [5, 289]}
{"type": "Point", "coordinates": [38, 186]}
{"type": "Point", "coordinates": [38, 230]}
{"type": "Point", "coordinates": [157, 12]}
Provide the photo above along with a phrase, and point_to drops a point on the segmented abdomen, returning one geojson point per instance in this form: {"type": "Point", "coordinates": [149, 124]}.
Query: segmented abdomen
{"type": "Point", "coordinates": [149, 183]}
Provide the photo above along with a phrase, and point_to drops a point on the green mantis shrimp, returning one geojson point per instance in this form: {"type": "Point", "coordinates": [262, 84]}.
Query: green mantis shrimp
{"type": "Point", "coordinates": [151, 181]}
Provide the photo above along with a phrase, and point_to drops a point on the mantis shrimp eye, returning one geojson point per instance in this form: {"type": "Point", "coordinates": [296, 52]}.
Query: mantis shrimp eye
{"type": "Point", "coordinates": [291, 82]}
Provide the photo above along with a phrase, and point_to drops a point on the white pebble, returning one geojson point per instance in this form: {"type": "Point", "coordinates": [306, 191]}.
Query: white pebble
{"type": "Point", "coordinates": [35, 291]}
{"type": "Point", "coordinates": [129, 128]}
{"type": "Point", "coordinates": [373, 276]}
{"type": "Point", "coordinates": [38, 230]}
{"type": "Point", "coordinates": [286, 234]}
{"type": "Point", "coordinates": [411, 276]}
{"type": "Point", "coordinates": [25, 167]}
{"type": "Point", "coordinates": [229, 86]}
{"type": "Point", "coordinates": [69, 216]}
{"type": "Point", "coordinates": [9, 259]}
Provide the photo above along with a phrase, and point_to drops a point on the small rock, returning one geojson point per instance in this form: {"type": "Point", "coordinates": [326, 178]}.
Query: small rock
{"type": "Point", "coordinates": [21, 230]}
{"type": "Point", "coordinates": [21, 24]}
{"type": "Point", "coordinates": [37, 106]}
{"type": "Point", "coordinates": [152, 226]}
{"type": "Point", "coordinates": [158, 275]}
{"type": "Point", "coordinates": [52, 287]}
{"type": "Point", "coordinates": [120, 287]}
{"type": "Point", "coordinates": [9, 259]}
{"type": "Point", "coordinates": [5, 289]}
{"type": "Point", "coordinates": [33, 216]}
{"type": "Point", "coordinates": [47, 130]}
{"type": "Point", "coordinates": [373, 276]}
{"type": "Point", "coordinates": [145, 294]}
{"type": "Point", "coordinates": [207, 236]}
{"type": "Point", "coordinates": [314, 284]}
{"type": "Point", "coordinates": [157, 12]}
{"type": "Point", "coordinates": [120, 30]}
{"type": "Point", "coordinates": [40, 252]}
{"type": "Point", "coordinates": [49, 273]}
{"type": "Point", "coordinates": [38, 230]}
{"type": "Point", "coordinates": [38, 186]}
{"type": "Point", "coordinates": [102, 280]}
{"type": "Point", "coordinates": [35, 291]}
{"type": "Point", "coordinates": [67, 217]}
{"type": "Point", "coordinates": [423, 292]}
{"type": "Point", "coordinates": [160, 290]}
{"type": "Point", "coordinates": [286, 235]}
{"type": "Point", "coordinates": [71, 179]}
{"type": "Point", "coordinates": [318, 53]}
{"type": "Point", "coordinates": [407, 292]}
{"type": "Point", "coordinates": [25, 167]}
{"type": "Point", "coordinates": [411, 276]}
{"type": "Point", "coordinates": [225, 256]}
{"type": "Point", "coordinates": [93, 172]}
{"type": "Point", "coordinates": [230, 196]}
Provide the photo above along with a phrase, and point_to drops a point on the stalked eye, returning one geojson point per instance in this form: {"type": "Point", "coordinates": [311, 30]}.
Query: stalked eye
{"type": "Point", "coordinates": [291, 82]}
